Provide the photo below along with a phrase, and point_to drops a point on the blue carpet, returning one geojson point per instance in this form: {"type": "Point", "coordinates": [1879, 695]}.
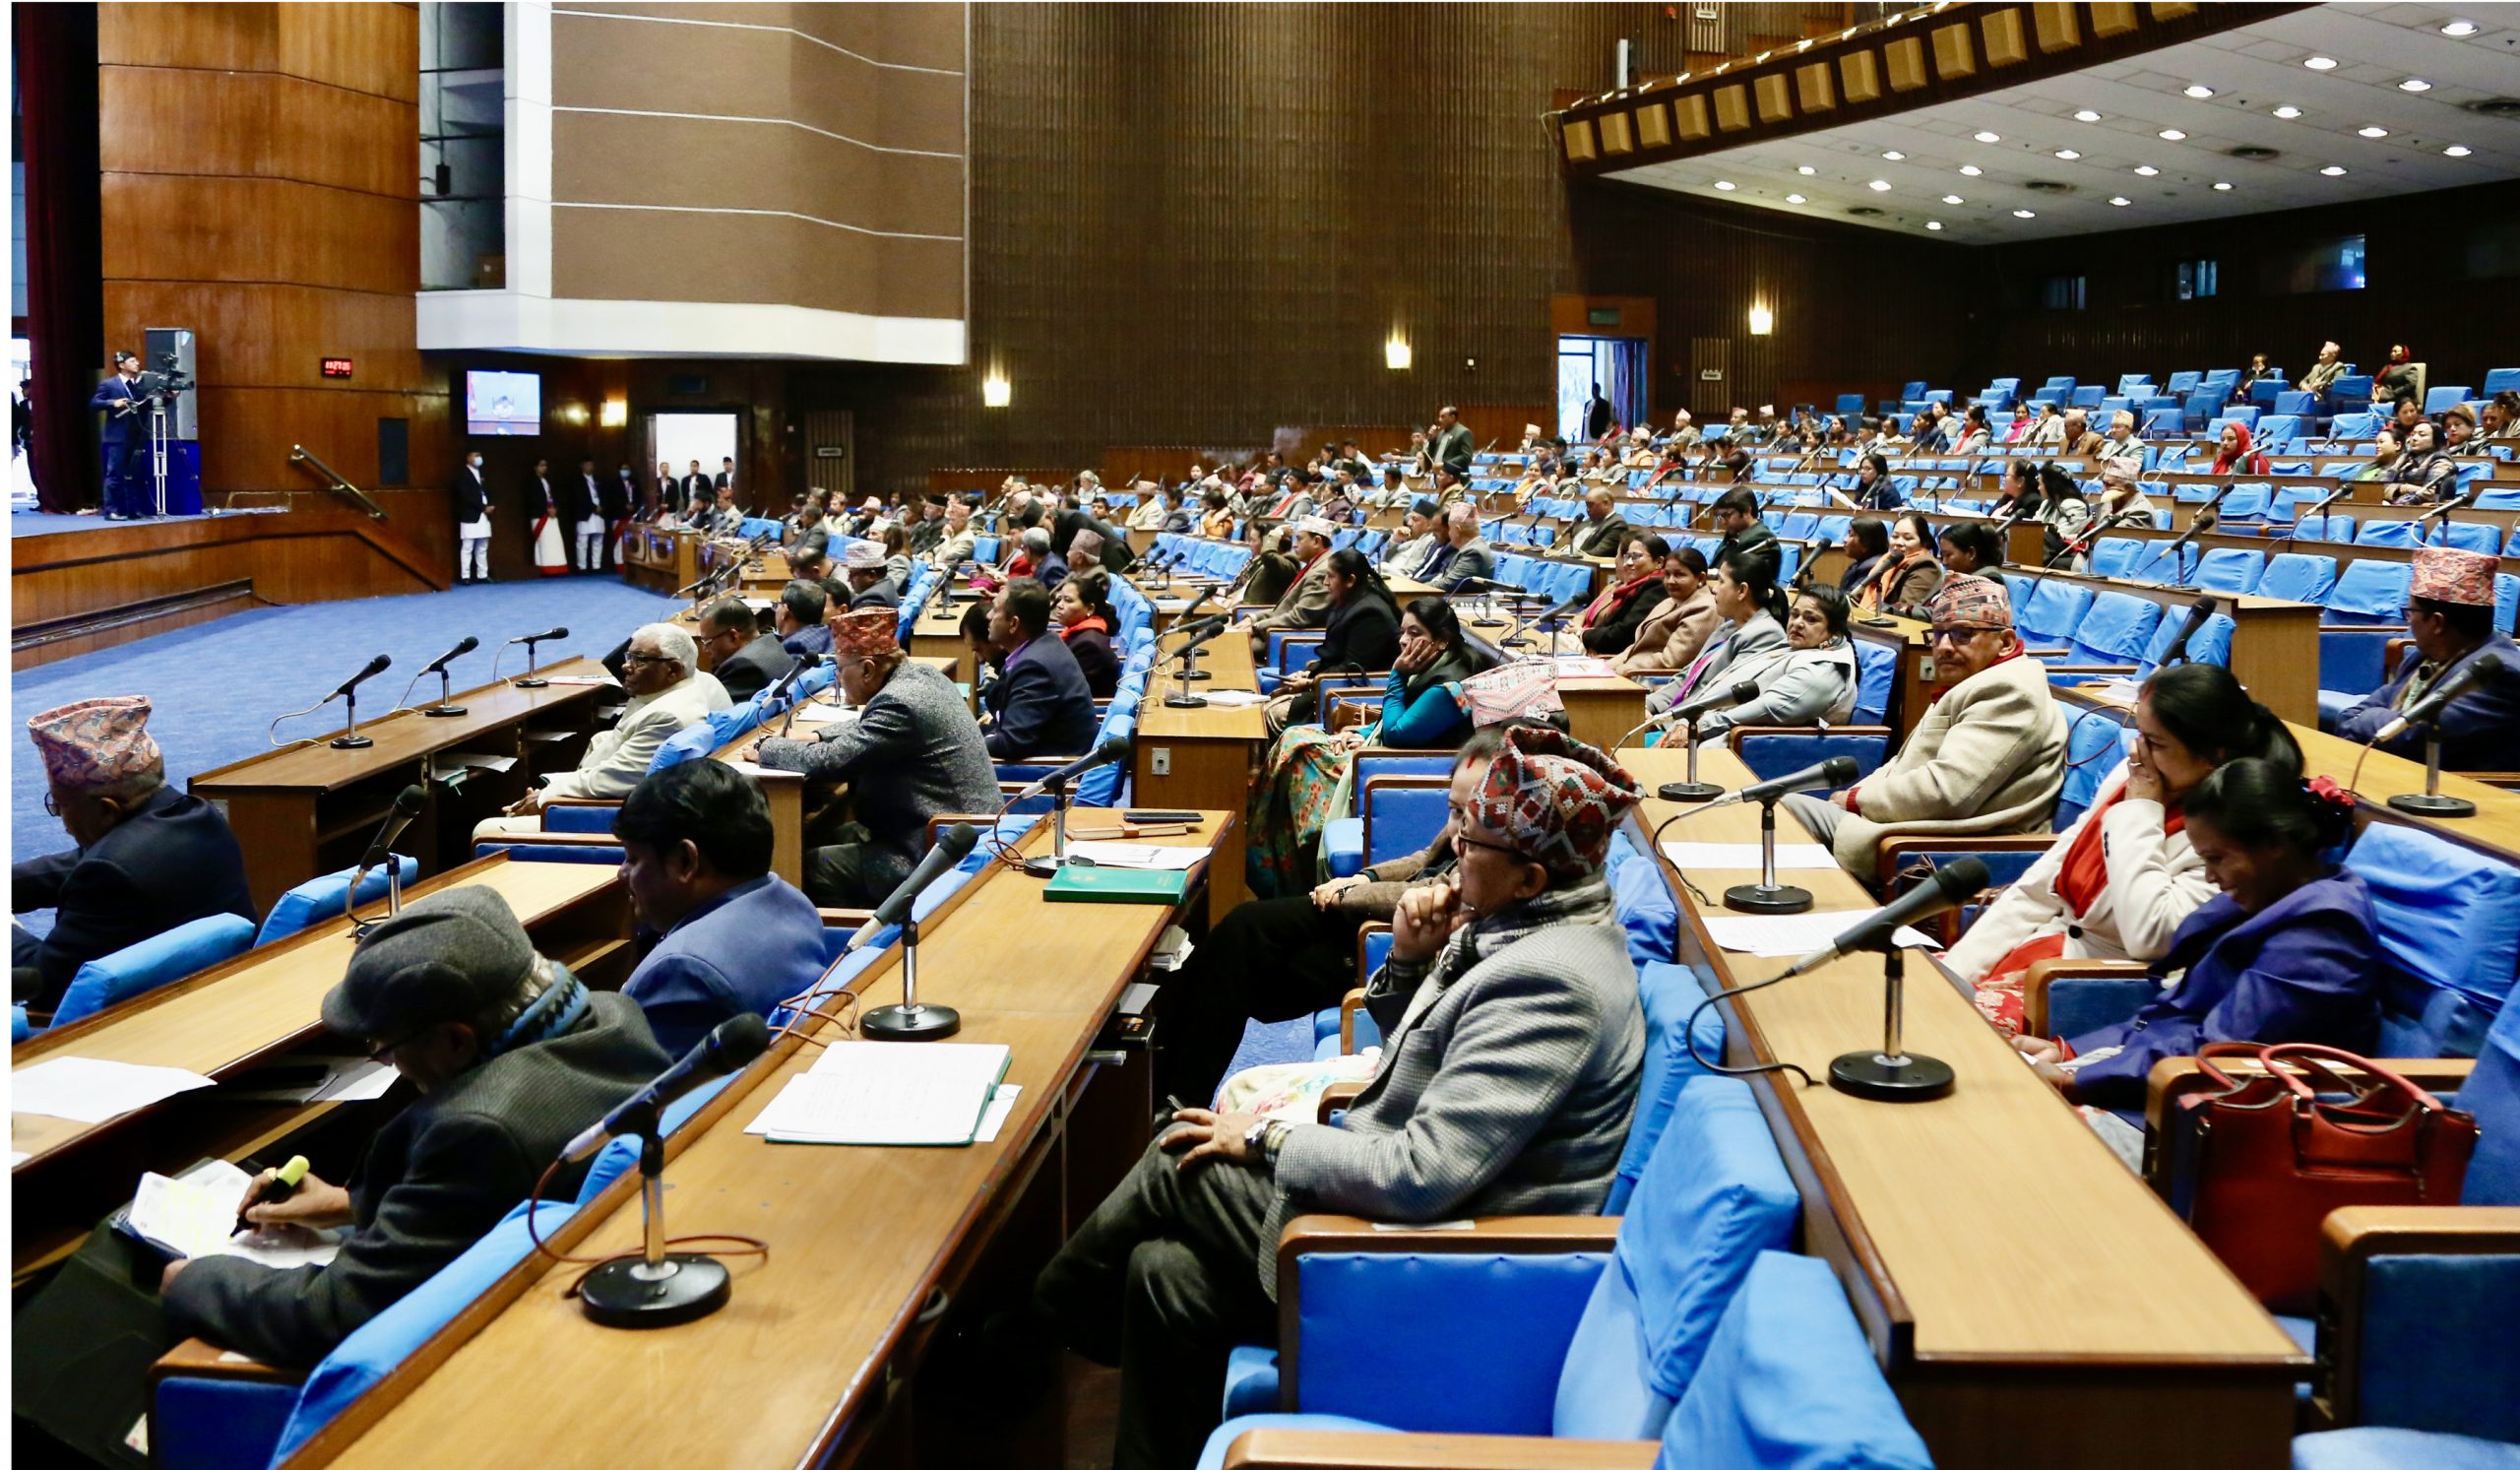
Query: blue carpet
{"type": "Point", "coordinates": [214, 688]}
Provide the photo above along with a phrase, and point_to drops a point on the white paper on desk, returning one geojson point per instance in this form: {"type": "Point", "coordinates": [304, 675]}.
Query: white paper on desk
{"type": "Point", "coordinates": [16, 1157]}
{"type": "Point", "coordinates": [1002, 1107]}
{"type": "Point", "coordinates": [1144, 854]}
{"type": "Point", "coordinates": [481, 760]}
{"type": "Point", "coordinates": [1790, 857]}
{"type": "Point", "coordinates": [586, 679]}
{"type": "Point", "coordinates": [749, 768]}
{"type": "Point", "coordinates": [1233, 699]}
{"type": "Point", "coordinates": [883, 1093]}
{"type": "Point", "coordinates": [346, 1079]}
{"type": "Point", "coordinates": [825, 714]}
{"type": "Point", "coordinates": [1779, 935]}
{"type": "Point", "coordinates": [1585, 666]}
{"type": "Point", "coordinates": [86, 1090]}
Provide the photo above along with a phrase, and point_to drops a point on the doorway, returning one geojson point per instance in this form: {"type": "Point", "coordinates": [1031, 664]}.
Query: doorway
{"type": "Point", "coordinates": [677, 439]}
{"type": "Point", "coordinates": [1614, 367]}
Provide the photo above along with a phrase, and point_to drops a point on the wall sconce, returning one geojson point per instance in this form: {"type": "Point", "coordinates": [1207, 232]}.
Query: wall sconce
{"type": "Point", "coordinates": [995, 391]}
{"type": "Point", "coordinates": [616, 412]}
{"type": "Point", "coordinates": [1762, 321]}
{"type": "Point", "coordinates": [1396, 356]}
{"type": "Point", "coordinates": [574, 414]}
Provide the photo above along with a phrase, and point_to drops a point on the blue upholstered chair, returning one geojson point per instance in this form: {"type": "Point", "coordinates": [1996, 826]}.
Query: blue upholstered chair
{"type": "Point", "coordinates": [318, 899]}
{"type": "Point", "coordinates": [2297, 577]}
{"type": "Point", "coordinates": [2232, 569]}
{"type": "Point", "coordinates": [159, 960]}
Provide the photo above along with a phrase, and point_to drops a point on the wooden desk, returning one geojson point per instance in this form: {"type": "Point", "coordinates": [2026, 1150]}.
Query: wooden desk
{"type": "Point", "coordinates": [809, 1360]}
{"type": "Point", "coordinates": [937, 634]}
{"type": "Point", "coordinates": [309, 809]}
{"type": "Point", "coordinates": [660, 560]}
{"type": "Point", "coordinates": [2012, 1275]}
{"type": "Point", "coordinates": [1203, 759]}
{"type": "Point", "coordinates": [260, 1005]}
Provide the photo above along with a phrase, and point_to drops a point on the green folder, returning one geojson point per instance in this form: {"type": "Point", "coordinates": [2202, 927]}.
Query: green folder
{"type": "Point", "coordinates": [1072, 885]}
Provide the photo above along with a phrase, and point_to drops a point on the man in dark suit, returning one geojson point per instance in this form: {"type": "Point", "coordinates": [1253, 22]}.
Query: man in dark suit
{"type": "Point", "coordinates": [149, 857]}
{"type": "Point", "coordinates": [1602, 531]}
{"type": "Point", "coordinates": [697, 485]}
{"type": "Point", "coordinates": [582, 512]}
{"type": "Point", "coordinates": [1040, 704]}
{"type": "Point", "coordinates": [726, 474]}
{"type": "Point", "coordinates": [1597, 414]}
{"type": "Point", "coordinates": [748, 661]}
{"type": "Point", "coordinates": [124, 435]}
{"type": "Point", "coordinates": [1451, 446]}
{"type": "Point", "coordinates": [472, 523]}
{"type": "Point", "coordinates": [1737, 515]}
{"type": "Point", "coordinates": [868, 585]}
{"type": "Point", "coordinates": [620, 500]}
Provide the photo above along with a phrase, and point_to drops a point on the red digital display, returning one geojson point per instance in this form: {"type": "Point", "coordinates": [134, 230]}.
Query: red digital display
{"type": "Point", "coordinates": [337, 368]}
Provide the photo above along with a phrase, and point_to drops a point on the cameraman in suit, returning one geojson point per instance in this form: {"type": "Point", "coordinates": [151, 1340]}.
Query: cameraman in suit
{"type": "Point", "coordinates": [118, 398]}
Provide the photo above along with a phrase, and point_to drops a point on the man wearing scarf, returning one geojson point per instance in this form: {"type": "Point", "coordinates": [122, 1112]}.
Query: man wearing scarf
{"type": "Point", "coordinates": [1306, 602]}
{"type": "Point", "coordinates": [1512, 1044]}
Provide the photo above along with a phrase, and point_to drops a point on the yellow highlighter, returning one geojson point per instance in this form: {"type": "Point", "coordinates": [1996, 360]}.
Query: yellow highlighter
{"type": "Point", "coordinates": [279, 1183]}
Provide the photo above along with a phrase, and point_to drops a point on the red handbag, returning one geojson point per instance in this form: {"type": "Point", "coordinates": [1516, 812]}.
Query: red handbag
{"type": "Point", "coordinates": [2274, 1157]}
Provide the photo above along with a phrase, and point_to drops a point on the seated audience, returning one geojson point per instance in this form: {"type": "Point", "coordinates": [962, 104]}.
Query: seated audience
{"type": "Point", "coordinates": [1082, 609]}
{"type": "Point", "coordinates": [2065, 511]}
{"type": "Point", "coordinates": [1417, 540]}
{"type": "Point", "coordinates": [799, 618]}
{"type": "Point", "coordinates": [1974, 433]}
{"type": "Point", "coordinates": [2021, 495]}
{"type": "Point", "coordinates": [1874, 490]}
{"type": "Point", "coordinates": [744, 660]}
{"type": "Point", "coordinates": [2120, 443]}
{"type": "Point", "coordinates": [146, 856]}
{"type": "Point", "coordinates": [1906, 580]}
{"type": "Point", "coordinates": [1306, 603]}
{"type": "Point", "coordinates": [1988, 756]}
{"type": "Point", "coordinates": [809, 563]}
{"type": "Point", "coordinates": [1735, 514]}
{"type": "Point", "coordinates": [1674, 632]}
{"type": "Point", "coordinates": [733, 936]}
{"type": "Point", "coordinates": [1868, 542]}
{"type": "Point", "coordinates": [1970, 548]}
{"type": "Point", "coordinates": [1040, 704]}
{"type": "Point", "coordinates": [1630, 596]}
{"type": "Point", "coordinates": [2286, 952]}
{"type": "Point", "coordinates": [1513, 1040]}
{"type": "Point", "coordinates": [2501, 417]}
{"type": "Point", "coordinates": [2395, 384]}
{"type": "Point", "coordinates": [1810, 679]}
{"type": "Point", "coordinates": [1752, 610]}
{"type": "Point", "coordinates": [1031, 554]}
{"type": "Point", "coordinates": [954, 543]}
{"type": "Point", "coordinates": [2047, 431]}
{"type": "Point", "coordinates": [897, 560]}
{"type": "Point", "coordinates": [869, 577]}
{"type": "Point", "coordinates": [2449, 614]}
{"type": "Point", "coordinates": [2257, 372]}
{"type": "Point", "coordinates": [1464, 556]}
{"type": "Point", "coordinates": [914, 753]}
{"type": "Point", "coordinates": [1602, 531]}
{"type": "Point", "coordinates": [2079, 438]}
{"type": "Point", "coordinates": [2327, 369]}
{"type": "Point", "coordinates": [2237, 452]}
{"type": "Point", "coordinates": [2424, 473]}
{"type": "Point", "coordinates": [2458, 429]}
{"type": "Point", "coordinates": [1152, 509]}
{"type": "Point", "coordinates": [2121, 496]}
{"type": "Point", "coordinates": [2121, 880]}
{"type": "Point", "coordinates": [1215, 515]}
{"type": "Point", "coordinates": [1362, 634]}
{"type": "Point", "coordinates": [667, 693]}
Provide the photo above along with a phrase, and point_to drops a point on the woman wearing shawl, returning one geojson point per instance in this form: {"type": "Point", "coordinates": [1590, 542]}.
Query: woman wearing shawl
{"type": "Point", "coordinates": [1635, 590]}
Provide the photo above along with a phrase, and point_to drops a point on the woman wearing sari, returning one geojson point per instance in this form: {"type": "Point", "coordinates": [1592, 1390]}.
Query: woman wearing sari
{"type": "Point", "coordinates": [1908, 576]}
{"type": "Point", "coordinates": [1612, 623]}
{"type": "Point", "coordinates": [1308, 765]}
{"type": "Point", "coordinates": [551, 542]}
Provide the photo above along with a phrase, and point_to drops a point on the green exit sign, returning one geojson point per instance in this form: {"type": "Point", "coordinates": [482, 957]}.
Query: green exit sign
{"type": "Point", "coordinates": [1603, 316]}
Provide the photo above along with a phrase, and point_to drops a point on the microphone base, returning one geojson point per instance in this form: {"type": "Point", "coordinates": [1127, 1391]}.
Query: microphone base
{"type": "Point", "coordinates": [1876, 622]}
{"type": "Point", "coordinates": [443, 711]}
{"type": "Point", "coordinates": [531, 683]}
{"type": "Point", "coordinates": [910, 1023]}
{"type": "Point", "coordinates": [614, 1294]}
{"type": "Point", "coordinates": [351, 742]}
{"type": "Point", "coordinates": [1687, 790]}
{"type": "Point", "coordinates": [1184, 702]}
{"type": "Point", "coordinates": [1911, 1078]}
{"type": "Point", "coordinates": [1192, 675]}
{"type": "Point", "coordinates": [1043, 867]}
{"type": "Point", "coordinates": [1757, 898]}
{"type": "Point", "coordinates": [2416, 804]}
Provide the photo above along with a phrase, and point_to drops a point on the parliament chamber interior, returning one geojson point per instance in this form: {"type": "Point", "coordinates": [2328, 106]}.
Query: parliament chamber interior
{"type": "Point", "coordinates": [1407, 736]}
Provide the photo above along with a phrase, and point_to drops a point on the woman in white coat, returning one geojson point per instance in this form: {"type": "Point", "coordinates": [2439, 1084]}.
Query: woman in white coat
{"type": "Point", "coordinates": [2117, 884]}
{"type": "Point", "coordinates": [1811, 680]}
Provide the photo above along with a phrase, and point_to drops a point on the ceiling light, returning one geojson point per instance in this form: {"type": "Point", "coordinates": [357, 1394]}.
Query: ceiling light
{"type": "Point", "coordinates": [2460, 28]}
{"type": "Point", "coordinates": [1879, 186]}
{"type": "Point", "coordinates": [2373, 132]}
{"type": "Point", "coordinates": [1971, 170]}
{"type": "Point", "coordinates": [1724, 184]}
{"type": "Point", "coordinates": [995, 391]}
{"type": "Point", "coordinates": [2333, 171]}
{"type": "Point", "coordinates": [2025, 214]}
{"type": "Point", "coordinates": [1953, 199]}
{"type": "Point", "coordinates": [1796, 198]}
{"type": "Point", "coordinates": [2199, 91]}
{"type": "Point", "coordinates": [2221, 187]}
{"type": "Point", "coordinates": [2456, 151]}
{"type": "Point", "coordinates": [2172, 135]}
{"type": "Point", "coordinates": [2320, 63]}
{"type": "Point", "coordinates": [2086, 116]}
{"type": "Point", "coordinates": [2146, 169]}
{"type": "Point", "coordinates": [2119, 200]}
{"type": "Point", "coordinates": [2414, 84]}
{"type": "Point", "coordinates": [1933, 224]}
{"type": "Point", "coordinates": [1989, 138]}
{"type": "Point", "coordinates": [2288, 112]}
{"type": "Point", "coordinates": [1894, 156]}
{"type": "Point", "coordinates": [2067, 153]}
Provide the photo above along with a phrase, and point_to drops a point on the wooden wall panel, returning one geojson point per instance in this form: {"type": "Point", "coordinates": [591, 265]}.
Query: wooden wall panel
{"type": "Point", "coordinates": [211, 229]}
{"type": "Point", "coordinates": [245, 125]}
{"type": "Point", "coordinates": [335, 44]}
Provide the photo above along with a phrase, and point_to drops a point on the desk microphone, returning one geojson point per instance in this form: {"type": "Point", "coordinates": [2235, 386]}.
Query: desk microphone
{"type": "Point", "coordinates": [350, 739]}
{"type": "Point", "coordinates": [735, 1043]}
{"type": "Point", "coordinates": [1811, 563]}
{"type": "Point", "coordinates": [1113, 750]}
{"type": "Point", "coordinates": [2428, 710]}
{"type": "Point", "coordinates": [526, 680]}
{"type": "Point", "coordinates": [406, 805]}
{"type": "Point", "coordinates": [375, 666]}
{"type": "Point", "coordinates": [1952, 885]}
{"type": "Point", "coordinates": [2197, 613]}
{"type": "Point", "coordinates": [438, 663]}
{"type": "Point", "coordinates": [953, 844]}
{"type": "Point", "coordinates": [2460, 501]}
{"type": "Point", "coordinates": [1836, 771]}
{"type": "Point", "coordinates": [1739, 693]}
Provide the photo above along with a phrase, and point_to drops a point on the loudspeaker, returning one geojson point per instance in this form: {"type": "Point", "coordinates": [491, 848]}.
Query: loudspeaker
{"type": "Point", "coordinates": [158, 341]}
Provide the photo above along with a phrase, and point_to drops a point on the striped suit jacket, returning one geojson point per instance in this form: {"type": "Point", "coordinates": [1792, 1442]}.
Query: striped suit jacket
{"type": "Point", "coordinates": [1506, 1092]}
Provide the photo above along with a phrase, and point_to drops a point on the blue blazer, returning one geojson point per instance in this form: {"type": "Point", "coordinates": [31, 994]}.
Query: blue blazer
{"type": "Point", "coordinates": [2480, 731]}
{"type": "Point", "coordinates": [170, 863]}
{"type": "Point", "coordinates": [2303, 969]}
{"type": "Point", "coordinates": [1040, 705]}
{"type": "Point", "coordinates": [758, 944]}
{"type": "Point", "coordinates": [118, 426]}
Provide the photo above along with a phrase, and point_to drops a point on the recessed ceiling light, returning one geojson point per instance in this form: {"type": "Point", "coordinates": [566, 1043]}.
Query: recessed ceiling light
{"type": "Point", "coordinates": [2067, 153]}
{"type": "Point", "coordinates": [2025, 214]}
{"type": "Point", "coordinates": [1989, 138]}
{"type": "Point", "coordinates": [2456, 151]}
{"type": "Point", "coordinates": [1971, 170]}
{"type": "Point", "coordinates": [1894, 156]}
{"type": "Point", "coordinates": [2373, 132]}
{"type": "Point", "coordinates": [2414, 84]}
{"type": "Point", "coordinates": [1953, 199]}
{"type": "Point", "coordinates": [2460, 28]}
{"type": "Point", "coordinates": [1793, 199]}
{"type": "Point", "coordinates": [2086, 116]}
{"type": "Point", "coordinates": [1807, 171]}
{"type": "Point", "coordinates": [2333, 171]}
{"type": "Point", "coordinates": [2222, 186]}
{"type": "Point", "coordinates": [1933, 224]}
{"type": "Point", "coordinates": [2288, 112]}
{"type": "Point", "coordinates": [1724, 184]}
{"type": "Point", "coordinates": [2146, 169]}
{"type": "Point", "coordinates": [1879, 186]}
{"type": "Point", "coordinates": [2172, 135]}
{"type": "Point", "coordinates": [2320, 63]}
{"type": "Point", "coordinates": [2119, 200]}
{"type": "Point", "coordinates": [2199, 91]}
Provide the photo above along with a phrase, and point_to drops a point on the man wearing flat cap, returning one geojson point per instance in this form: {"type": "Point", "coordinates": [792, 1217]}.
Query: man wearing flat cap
{"type": "Point", "coordinates": [149, 857]}
{"type": "Point", "coordinates": [1512, 1044]}
{"type": "Point", "coordinates": [1418, 540]}
{"type": "Point", "coordinates": [1307, 600]}
{"type": "Point", "coordinates": [1988, 756]}
{"type": "Point", "coordinates": [2450, 614]}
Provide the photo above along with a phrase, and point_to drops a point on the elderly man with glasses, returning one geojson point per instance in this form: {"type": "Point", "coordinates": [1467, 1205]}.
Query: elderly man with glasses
{"type": "Point", "coordinates": [668, 694]}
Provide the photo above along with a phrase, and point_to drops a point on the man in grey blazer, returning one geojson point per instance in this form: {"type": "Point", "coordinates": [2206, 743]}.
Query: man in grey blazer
{"type": "Point", "coordinates": [1602, 531]}
{"type": "Point", "coordinates": [912, 752]}
{"type": "Point", "coordinates": [1464, 556]}
{"type": "Point", "coordinates": [1512, 1044]}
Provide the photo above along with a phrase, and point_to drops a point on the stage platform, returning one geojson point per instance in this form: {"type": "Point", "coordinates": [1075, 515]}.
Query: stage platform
{"type": "Point", "coordinates": [26, 523]}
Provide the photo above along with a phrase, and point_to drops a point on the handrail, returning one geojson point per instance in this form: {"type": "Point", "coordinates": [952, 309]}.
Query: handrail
{"type": "Point", "coordinates": [299, 454]}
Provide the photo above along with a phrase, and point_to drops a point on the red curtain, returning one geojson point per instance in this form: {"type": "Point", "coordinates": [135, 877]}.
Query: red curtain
{"type": "Point", "coordinates": [56, 74]}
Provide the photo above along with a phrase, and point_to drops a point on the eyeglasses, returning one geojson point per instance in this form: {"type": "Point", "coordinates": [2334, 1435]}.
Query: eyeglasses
{"type": "Point", "coordinates": [646, 659]}
{"type": "Point", "coordinates": [379, 1051]}
{"type": "Point", "coordinates": [1954, 635]}
{"type": "Point", "coordinates": [51, 805]}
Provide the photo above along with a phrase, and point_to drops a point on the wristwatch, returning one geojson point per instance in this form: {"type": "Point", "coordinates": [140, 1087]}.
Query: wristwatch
{"type": "Point", "coordinates": [1261, 1141]}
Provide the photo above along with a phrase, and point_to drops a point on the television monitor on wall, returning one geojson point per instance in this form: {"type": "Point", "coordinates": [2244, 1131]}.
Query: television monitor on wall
{"type": "Point", "coordinates": [503, 403]}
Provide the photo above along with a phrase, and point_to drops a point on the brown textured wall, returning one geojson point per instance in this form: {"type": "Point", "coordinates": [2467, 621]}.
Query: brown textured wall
{"type": "Point", "coordinates": [258, 186]}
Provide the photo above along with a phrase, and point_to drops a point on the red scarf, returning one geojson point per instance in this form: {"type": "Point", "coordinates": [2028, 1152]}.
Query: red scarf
{"type": "Point", "coordinates": [1089, 621]}
{"type": "Point", "coordinates": [1021, 567]}
{"type": "Point", "coordinates": [2085, 872]}
{"type": "Point", "coordinates": [2243, 458]}
{"type": "Point", "coordinates": [1614, 600]}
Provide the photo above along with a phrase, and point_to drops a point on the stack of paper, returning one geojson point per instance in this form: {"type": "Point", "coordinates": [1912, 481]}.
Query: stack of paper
{"type": "Point", "coordinates": [196, 1215]}
{"type": "Point", "coordinates": [1145, 854]}
{"type": "Point", "coordinates": [1233, 699]}
{"type": "Point", "coordinates": [86, 1090]}
{"type": "Point", "coordinates": [931, 1093]}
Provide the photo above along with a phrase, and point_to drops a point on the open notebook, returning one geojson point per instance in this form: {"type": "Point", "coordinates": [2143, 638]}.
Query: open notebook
{"type": "Point", "coordinates": [896, 1093]}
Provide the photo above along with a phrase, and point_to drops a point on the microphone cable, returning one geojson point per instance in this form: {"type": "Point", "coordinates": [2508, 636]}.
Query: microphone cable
{"type": "Point", "coordinates": [730, 1247]}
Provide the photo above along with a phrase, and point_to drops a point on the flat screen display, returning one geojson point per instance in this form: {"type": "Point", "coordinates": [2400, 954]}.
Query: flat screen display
{"type": "Point", "coordinates": [503, 403]}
